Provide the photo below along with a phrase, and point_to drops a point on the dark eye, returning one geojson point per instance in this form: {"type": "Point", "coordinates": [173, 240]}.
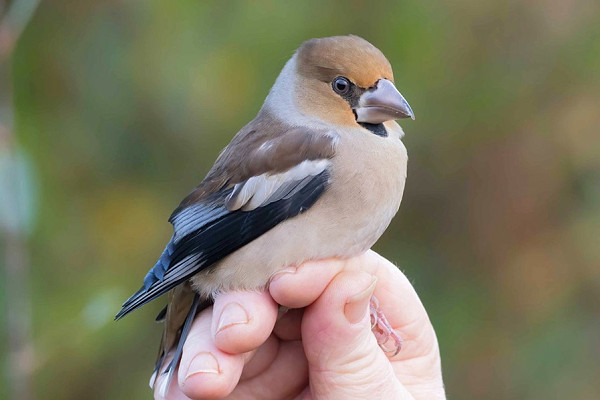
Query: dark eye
{"type": "Point", "coordinates": [341, 85]}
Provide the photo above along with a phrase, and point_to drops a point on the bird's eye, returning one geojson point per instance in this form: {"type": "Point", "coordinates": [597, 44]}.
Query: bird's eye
{"type": "Point", "coordinates": [341, 85]}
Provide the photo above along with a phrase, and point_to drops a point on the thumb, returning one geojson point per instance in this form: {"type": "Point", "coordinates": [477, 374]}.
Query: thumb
{"type": "Point", "coordinates": [344, 358]}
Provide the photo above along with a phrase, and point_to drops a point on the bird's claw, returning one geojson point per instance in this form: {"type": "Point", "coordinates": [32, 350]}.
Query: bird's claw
{"type": "Point", "coordinates": [382, 329]}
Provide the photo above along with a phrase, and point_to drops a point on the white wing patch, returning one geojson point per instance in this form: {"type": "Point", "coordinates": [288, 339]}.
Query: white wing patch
{"type": "Point", "coordinates": [267, 188]}
{"type": "Point", "coordinates": [192, 217]}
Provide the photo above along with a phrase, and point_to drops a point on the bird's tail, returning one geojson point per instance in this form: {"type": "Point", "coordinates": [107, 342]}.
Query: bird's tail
{"type": "Point", "coordinates": [154, 275]}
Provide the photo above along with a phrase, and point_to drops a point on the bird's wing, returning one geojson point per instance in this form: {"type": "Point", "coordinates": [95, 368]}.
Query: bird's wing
{"type": "Point", "coordinates": [273, 181]}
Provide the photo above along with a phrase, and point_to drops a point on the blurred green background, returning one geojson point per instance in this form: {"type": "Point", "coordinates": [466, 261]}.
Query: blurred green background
{"type": "Point", "coordinates": [120, 108]}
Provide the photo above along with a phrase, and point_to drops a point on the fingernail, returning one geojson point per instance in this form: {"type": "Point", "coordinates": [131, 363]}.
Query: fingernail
{"type": "Point", "coordinates": [232, 314]}
{"type": "Point", "coordinates": [357, 305]}
{"type": "Point", "coordinates": [285, 271]}
{"type": "Point", "coordinates": [203, 363]}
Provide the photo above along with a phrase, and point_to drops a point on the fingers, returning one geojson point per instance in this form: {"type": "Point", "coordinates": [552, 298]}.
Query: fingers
{"type": "Point", "coordinates": [301, 286]}
{"type": "Point", "coordinates": [343, 355]}
{"type": "Point", "coordinates": [344, 358]}
{"type": "Point", "coordinates": [205, 371]}
{"type": "Point", "coordinates": [297, 287]}
{"type": "Point", "coordinates": [173, 392]}
{"type": "Point", "coordinates": [418, 363]}
{"type": "Point", "coordinates": [283, 376]}
{"type": "Point", "coordinates": [242, 321]}
{"type": "Point", "coordinates": [222, 339]}
{"type": "Point", "coordinates": [402, 307]}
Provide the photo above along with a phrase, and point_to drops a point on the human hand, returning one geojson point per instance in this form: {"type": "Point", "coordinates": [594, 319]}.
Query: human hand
{"type": "Point", "coordinates": [322, 348]}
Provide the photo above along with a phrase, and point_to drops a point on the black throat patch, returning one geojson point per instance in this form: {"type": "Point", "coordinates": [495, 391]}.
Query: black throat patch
{"type": "Point", "coordinates": [352, 98]}
{"type": "Point", "coordinates": [377, 129]}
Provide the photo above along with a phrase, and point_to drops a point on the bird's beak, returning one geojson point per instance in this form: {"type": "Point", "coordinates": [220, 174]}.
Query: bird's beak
{"type": "Point", "coordinates": [382, 103]}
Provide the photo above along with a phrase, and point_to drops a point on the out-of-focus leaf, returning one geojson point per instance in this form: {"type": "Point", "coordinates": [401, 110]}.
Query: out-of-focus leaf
{"type": "Point", "coordinates": [18, 191]}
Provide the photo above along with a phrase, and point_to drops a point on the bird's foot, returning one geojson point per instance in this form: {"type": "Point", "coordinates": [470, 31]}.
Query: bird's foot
{"type": "Point", "coordinates": [383, 331]}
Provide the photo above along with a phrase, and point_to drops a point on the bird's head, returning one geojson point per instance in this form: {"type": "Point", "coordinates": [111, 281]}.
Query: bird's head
{"type": "Point", "coordinates": [343, 80]}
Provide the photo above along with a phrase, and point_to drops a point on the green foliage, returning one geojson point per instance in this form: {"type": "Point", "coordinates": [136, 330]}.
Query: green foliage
{"type": "Point", "coordinates": [123, 107]}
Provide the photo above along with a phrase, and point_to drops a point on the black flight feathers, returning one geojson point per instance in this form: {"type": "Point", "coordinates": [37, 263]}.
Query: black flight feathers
{"type": "Point", "coordinates": [209, 232]}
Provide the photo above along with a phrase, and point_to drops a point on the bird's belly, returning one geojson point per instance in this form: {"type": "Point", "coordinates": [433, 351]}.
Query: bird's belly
{"type": "Point", "coordinates": [346, 221]}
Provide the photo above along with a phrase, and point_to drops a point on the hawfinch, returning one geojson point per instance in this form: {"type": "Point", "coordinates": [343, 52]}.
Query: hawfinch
{"type": "Point", "coordinates": [319, 173]}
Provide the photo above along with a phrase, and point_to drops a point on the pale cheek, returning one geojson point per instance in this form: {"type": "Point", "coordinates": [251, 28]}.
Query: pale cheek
{"type": "Point", "coordinates": [328, 107]}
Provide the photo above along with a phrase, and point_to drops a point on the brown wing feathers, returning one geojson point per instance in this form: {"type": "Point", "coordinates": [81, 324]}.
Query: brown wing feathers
{"type": "Point", "coordinates": [265, 145]}
{"type": "Point", "coordinates": [206, 230]}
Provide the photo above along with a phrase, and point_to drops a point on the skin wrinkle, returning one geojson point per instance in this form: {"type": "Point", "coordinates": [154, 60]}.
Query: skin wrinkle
{"type": "Point", "coordinates": [426, 362]}
{"type": "Point", "coordinates": [355, 378]}
{"type": "Point", "coordinates": [354, 357]}
{"type": "Point", "coordinates": [421, 320]}
{"type": "Point", "coordinates": [349, 366]}
{"type": "Point", "coordinates": [407, 327]}
{"type": "Point", "coordinates": [429, 356]}
{"type": "Point", "coordinates": [412, 371]}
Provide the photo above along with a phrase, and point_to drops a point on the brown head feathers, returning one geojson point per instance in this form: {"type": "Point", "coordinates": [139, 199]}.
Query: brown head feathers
{"type": "Point", "coordinates": [349, 56]}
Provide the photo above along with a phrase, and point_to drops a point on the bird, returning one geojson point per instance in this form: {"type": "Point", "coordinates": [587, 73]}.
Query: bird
{"type": "Point", "coordinates": [318, 173]}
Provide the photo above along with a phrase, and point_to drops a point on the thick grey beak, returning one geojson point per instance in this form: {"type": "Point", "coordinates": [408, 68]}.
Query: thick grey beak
{"type": "Point", "coordinates": [382, 103]}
